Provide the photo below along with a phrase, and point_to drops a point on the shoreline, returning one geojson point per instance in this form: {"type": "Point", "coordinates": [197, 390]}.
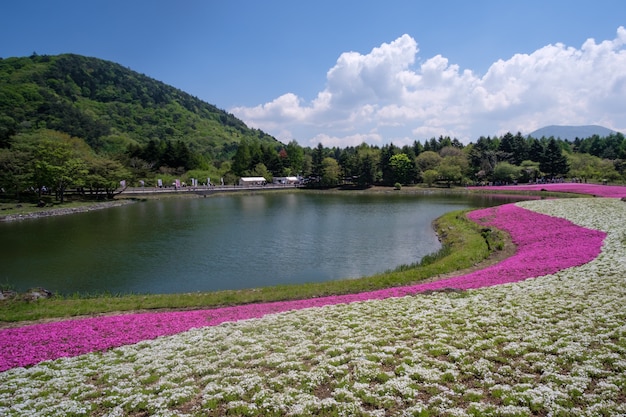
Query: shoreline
{"type": "Point", "coordinates": [62, 211]}
{"type": "Point", "coordinates": [133, 195]}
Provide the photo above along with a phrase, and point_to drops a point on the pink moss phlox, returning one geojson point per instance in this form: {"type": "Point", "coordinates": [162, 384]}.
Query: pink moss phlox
{"type": "Point", "coordinates": [608, 191]}
{"type": "Point", "coordinates": [544, 245]}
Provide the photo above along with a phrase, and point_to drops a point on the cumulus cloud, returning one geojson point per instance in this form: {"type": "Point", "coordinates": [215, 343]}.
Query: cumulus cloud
{"type": "Point", "coordinates": [383, 97]}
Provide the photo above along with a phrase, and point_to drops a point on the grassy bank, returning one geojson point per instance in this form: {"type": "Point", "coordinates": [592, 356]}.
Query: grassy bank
{"type": "Point", "coordinates": [464, 246]}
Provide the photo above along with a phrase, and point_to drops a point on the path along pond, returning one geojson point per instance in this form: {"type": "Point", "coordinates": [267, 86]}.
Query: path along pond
{"type": "Point", "coordinates": [226, 242]}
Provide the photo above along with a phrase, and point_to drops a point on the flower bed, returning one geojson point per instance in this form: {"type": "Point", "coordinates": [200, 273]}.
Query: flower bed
{"type": "Point", "coordinates": [609, 191]}
{"type": "Point", "coordinates": [540, 251]}
{"type": "Point", "coordinates": [553, 345]}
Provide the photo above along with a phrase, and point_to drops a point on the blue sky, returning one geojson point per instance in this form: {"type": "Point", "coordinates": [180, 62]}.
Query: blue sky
{"type": "Point", "coordinates": [347, 72]}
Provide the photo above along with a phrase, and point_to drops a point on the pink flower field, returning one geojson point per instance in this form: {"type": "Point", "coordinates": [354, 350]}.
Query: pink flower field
{"type": "Point", "coordinates": [609, 191]}
{"type": "Point", "coordinates": [544, 245]}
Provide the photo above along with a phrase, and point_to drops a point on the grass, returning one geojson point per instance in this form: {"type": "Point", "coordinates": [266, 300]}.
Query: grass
{"type": "Point", "coordinates": [464, 245]}
{"type": "Point", "coordinates": [14, 208]}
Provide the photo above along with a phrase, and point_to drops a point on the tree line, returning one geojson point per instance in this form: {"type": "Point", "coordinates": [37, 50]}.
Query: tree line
{"type": "Point", "coordinates": [500, 160]}
{"type": "Point", "coordinates": [48, 161]}
{"type": "Point", "coordinates": [506, 159]}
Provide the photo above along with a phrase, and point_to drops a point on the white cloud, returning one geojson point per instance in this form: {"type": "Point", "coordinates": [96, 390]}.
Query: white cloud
{"type": "Point", "coordinates": [344, 141]}
{"type": "Point", "coordinates": [380, 97]}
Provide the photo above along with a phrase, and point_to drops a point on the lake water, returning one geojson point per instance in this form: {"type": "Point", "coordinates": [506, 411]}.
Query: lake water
{"type": "Point", "coordinates": [224, 242]}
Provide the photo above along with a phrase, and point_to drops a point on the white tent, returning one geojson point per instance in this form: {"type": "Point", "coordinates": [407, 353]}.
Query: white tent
{"type": "Point", "coordinates": [252, 181]}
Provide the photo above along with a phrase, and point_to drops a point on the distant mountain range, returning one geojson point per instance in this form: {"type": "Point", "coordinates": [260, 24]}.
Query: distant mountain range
{"type": "Point", "coordinates": [571, 132]}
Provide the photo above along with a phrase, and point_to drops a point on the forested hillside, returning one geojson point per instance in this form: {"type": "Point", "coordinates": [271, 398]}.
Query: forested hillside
{"type": "Point", "coordinates": [111, 107]}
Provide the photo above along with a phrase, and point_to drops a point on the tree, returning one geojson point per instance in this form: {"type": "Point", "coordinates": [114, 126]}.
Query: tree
{"type": "Point", "coordinates": [295, 157]}
{"type": "Point", "coordinates": [529, 171]}
{"type": "Point", "coordinates": [318, 158]}
{"type": "Point", "coordinates": [15, 171]}
{"type": "Point", "coordinates": [456, 156]}
{"type": "Point", "coordinates": [260, 170]}
{"type": "Point", "coordinates": [586, 166]}
{"type": "Point", "coordinates": [506, 172]}
{"type": "Point", "coordinates": [536, 150]}
{"type": "Point", "coordinates": [8, 128]}
{"type": "Point", "coordinates": [483, 157]}
{"type": "Point", "coordinates": [386, 154]}
{"type": "Point", "coordinates": [418, 148]}
{"type": "Point", "coordinates": [450, 171]}
{"type": "Point", "coordinates": [554, 163]}
{"type": "Point", "coordinates": [58, 165]}
{"type": "Point", "coordinates": [331, 172]}
{"type": "Point", "coordinates": [402, 168]}
{"type": "Point", "coordinates": [428, 160]}
{"type": "Point", "coordinates": [430, 176]}
{"type": "Point", "coordinates": [242, 159]}
{"type": "Point", "coordinates": [367, 165]}
{"type": "Point", "coordinates": [104, 176]}
{"type": "Point", "coordinates": [514, 147]}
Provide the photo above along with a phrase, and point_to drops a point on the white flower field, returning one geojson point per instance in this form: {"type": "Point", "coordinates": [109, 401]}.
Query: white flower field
{"type": "Point", "coordinates": [549, 346]}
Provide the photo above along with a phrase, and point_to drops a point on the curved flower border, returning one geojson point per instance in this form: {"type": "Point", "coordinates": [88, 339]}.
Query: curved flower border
{"type": "Point", "coordinates": [544, 245]}
{"type": "Point", "coordinates": [608, 191]}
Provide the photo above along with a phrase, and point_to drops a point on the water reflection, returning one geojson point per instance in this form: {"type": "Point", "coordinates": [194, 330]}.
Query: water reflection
{"type": "Point", "coordinates": [225, 242]}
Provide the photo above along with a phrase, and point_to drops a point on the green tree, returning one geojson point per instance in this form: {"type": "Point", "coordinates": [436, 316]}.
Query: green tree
{"type": "Point", "coordinates": [318, 158]}
{"type": "Point", "coordinates": [104, 176]}
{"type": "Point", "coordinates": [260, 170]}
{"type": "Point", "coordinates": [506, 172]}
{"type": "Point", "coordinates": [8, 128]}
{"type": "Point", "coordinates": [402, 168]}
{"type": "Point", "coordinates": [58, 165]}
{"type": "Point", "coordinates": [450, 171]}
{"type": "Point", "coordinates": [295, 157]}
{"type": "Point", "coordinates": [430, 176]}
{"type": "Point", "coordinates": [331, 172]}
{"type": "Point", "coordinates": [536, 149]}
{"type": "Point", "coordinates": [367, 162]}
{"type": "Point", "coordinates": [554, 163]}
{"type": "Point", "coordinates": [514, 147]}
{"type": "Point", "coordinates": [586, 166]}
{"type": "Point", "coordinates": [456, 156]}
{"type": "Point", "coordinates": [529, 171]}
{"type": "Point", "coordinates": [418, 148]}
{"type": "Point", "coordinates": [242, 159]}
{"type": "Point", "coordinates": [15, 169]}
{"type": "Point", "coordinates": [428, 160]}
{"type": "Point", "coordinates": [386, 154]}
{"type": "Point", "coordinates": [271, 159]}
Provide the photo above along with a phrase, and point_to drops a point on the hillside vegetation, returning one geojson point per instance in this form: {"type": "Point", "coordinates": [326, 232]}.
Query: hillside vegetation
{"type": "Point", "coordinates": [111, 107]}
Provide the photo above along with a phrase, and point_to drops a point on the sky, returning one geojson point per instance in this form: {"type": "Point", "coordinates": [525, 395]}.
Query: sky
{"type": "Point", "coordinates": [346, 72]}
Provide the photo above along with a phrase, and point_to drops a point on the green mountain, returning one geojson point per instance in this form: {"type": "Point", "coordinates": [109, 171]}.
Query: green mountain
{"type": "Point", "coordinates": [111, 107]}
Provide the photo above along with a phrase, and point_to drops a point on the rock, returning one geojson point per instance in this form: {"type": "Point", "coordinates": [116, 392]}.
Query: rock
{"type": "Point", "coordinates": [442, 290]}
{"type": "Point", "coordinates": [37, 293]}
{"type": "Point", "coordinates": [7, 295]}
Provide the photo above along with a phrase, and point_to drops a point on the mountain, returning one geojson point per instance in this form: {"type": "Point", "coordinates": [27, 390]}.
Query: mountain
{"type": "Point", "coordinates": [111, 106]}
{"type": "Point", "coordinates": [571, 132]}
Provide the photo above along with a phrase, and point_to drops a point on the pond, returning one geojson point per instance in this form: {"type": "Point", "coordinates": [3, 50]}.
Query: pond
{"type": "Point", "coordinates": [225, 242]}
